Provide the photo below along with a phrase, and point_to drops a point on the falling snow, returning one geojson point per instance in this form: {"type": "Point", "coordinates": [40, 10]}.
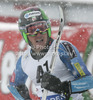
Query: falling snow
{"type": "Point", "coordinates": [77, 17]}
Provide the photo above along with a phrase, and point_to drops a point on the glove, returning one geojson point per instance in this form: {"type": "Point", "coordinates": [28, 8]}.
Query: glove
{"type": "Point", "coordinates": [23, 91]}
{"type": "Point", "coordinates": [53, 84]}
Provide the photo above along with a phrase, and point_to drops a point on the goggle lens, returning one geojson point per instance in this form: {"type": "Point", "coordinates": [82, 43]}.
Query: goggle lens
{"type": "Point", "coordinates": [33, 29]}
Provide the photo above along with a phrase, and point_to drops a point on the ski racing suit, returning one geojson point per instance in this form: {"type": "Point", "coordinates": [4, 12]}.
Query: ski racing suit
{"type": "Point", "coordinates": [68, 66]}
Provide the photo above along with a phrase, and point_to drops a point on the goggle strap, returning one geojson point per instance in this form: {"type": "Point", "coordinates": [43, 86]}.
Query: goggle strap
{"type": "Point", "coordinates": [27, 33]}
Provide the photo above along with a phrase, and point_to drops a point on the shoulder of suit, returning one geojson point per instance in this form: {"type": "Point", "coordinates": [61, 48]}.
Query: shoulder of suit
{"type": "Point", "coordinates": [26, 53]}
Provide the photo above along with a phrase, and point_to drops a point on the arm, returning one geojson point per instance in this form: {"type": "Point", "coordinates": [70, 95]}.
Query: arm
{"type": "Point", "coordinates": [81, 84]}
{"type": "Point", "coordinates": [67, 88]}
{"type": "Point", "coordinates": [17, 83]}
{"type": "Point", "coordinates": [71, 58]}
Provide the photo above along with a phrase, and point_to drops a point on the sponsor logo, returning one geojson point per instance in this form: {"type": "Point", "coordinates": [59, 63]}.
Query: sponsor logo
{"type": "Point", "coordinates": [55, 97]}
{"type": "Point", "coordinates": [33, 18]}
{"type": "Point", "coordinates": [31, 14]}
{"type": "Point", "coordinates": [70, 50]}
{"type": "Point", "coordinates": [78, 67]}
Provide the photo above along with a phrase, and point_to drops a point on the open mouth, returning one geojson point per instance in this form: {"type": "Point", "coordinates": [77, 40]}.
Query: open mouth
{"type": "Point", "coordinates": [41, 40]}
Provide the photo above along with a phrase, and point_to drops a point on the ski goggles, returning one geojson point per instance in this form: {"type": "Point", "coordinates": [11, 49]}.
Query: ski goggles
{"type": "Point", "coordinates": [37, 27]}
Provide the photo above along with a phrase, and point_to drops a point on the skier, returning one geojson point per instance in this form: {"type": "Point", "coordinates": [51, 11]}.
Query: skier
{"type": "Point", "coordinates": [35, 28]}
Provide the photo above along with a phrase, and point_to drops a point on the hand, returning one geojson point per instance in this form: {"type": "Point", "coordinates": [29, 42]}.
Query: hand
{"type": "Point", "coordinates": [23, 91]}
{"type": "Point", "coordinates": [53, 83]}
{"type": "Point", "coordinates": [50, 82]}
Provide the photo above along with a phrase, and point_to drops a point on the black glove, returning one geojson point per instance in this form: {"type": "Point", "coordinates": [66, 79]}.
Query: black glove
{"type": "Point", "coordinates": [23, 91]}
{"type": "Point", "coordinates": [53, 84]}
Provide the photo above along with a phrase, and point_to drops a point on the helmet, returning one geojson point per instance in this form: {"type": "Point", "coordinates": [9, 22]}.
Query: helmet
{"type": "Point", "coordinates": [30, 16]}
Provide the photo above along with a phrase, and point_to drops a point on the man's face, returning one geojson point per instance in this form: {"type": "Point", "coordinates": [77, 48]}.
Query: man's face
{"type": "Point", "coordinates": [39, 41]}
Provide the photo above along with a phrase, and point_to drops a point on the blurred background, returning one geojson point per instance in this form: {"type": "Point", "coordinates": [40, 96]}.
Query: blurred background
{"type": "Point", "coordinates": [78, 30]}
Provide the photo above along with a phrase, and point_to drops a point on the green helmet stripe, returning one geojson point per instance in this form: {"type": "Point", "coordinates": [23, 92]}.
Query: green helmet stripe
{"type": "Point", "coordinates": [44, 15]}
{"type": "Point", "coordinates": [25, 37]}
{"type": "Point", "coordinates": [49, 32]}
